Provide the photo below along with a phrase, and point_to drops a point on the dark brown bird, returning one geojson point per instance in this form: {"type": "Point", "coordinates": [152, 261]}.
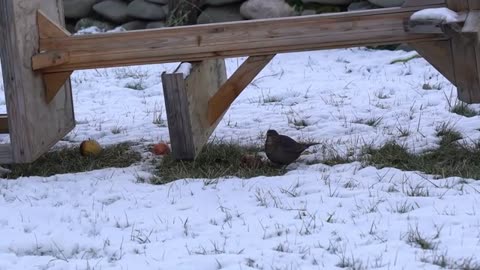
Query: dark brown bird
{"type": "Point", "coordinates": [283, 150]}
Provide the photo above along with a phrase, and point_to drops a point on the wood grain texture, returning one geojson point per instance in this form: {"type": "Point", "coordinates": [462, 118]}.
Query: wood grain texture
{"type": "Point", "coordinates": [234, 39]}
{"type": "Point", "coordinates": [186, 103]}
{"type": "Point", "coordinates": [231, 89]}
{"type": "Point", "coordinates": [3, 123]}
{"type": "Point", "coordinates": [178, 117]}
{"type": "Point", "coordinates": [439, 55]}
{"type": "Point", "coordinates": [466, 56]}
{"type": "Point", "coordinates": [418, 3]}
{"type": "Point", "coordinates": [474, 4]}
{"type": "Point", "coordinates": [203, 82]}
{"type": "Point", "coordinates": [34, 125]}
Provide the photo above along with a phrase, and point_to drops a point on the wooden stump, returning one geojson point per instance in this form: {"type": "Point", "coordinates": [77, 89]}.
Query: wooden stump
{"type": "Point", "coordinates": [34, 126]}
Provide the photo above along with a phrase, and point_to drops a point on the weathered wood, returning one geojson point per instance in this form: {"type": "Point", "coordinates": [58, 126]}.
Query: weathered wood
{"type": "Point", "coordinates": [234, 39]}
{"type": "Point", "coordinates": [48, 28]}
{"type": "Point", "coordinates": [53, 83]}
{"type": "Point", "coordinates": [186, 103]}
{"type": "Point", "coordinates": [465, 54]}
{"type": "Point", "coordinates": [178, 117]}
{"type": "Point", "coordinates": [6, 156]}
{"type": "Point", "coordinates": [34, 125]}
{"type": "Point", "coordinates": [474, 4]}
{"type": "Point", "coordinates": [418, 3]}
{"type": "Point", "coordinates": [231, 89]}
{"type": "Point", "coordinates": [3, 123]}
{"type": "Point", "coordinates": [457, 5]}
{"type": "Point", "coordinates": [439, 55]}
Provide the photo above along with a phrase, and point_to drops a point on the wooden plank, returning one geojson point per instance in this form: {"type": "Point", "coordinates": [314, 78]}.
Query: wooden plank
{"type": "Point", "coordinates": [6, 156]}
{"type": "Point", "coordinates": [231, 89]}
{"type": "Point", "coordinates": [458, 5]}
{"type": "Point", "coordinates": [3, 123]}
{"type": "Point", "coordinates": [474, 4]}
{"type": "Point", "coordinates": [472, 24]}
{"type": "Point", "coordinates": [186, 102]}
{"type": "Point", "coordinates": [418, 3]}
{"type": "Point", "coordinates": [234, 39]}
{"type": "Point", "coordinates": [439, 55]}
{"type": "Point", "coordinates": [178, 117]}
{"type": "Point", "coordinates": [34, 125]}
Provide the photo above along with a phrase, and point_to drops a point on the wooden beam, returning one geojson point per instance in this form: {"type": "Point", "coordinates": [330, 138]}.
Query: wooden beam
{"type": "Point", "coordinates": [419, 3]}
{"type": "Point", "coordinates": [186, 103]}
{"type": "Point", "coordinates": [34, 126]}
{"type": "Point", "coordinates": [231, 89]}
{"type": "Point", "coordinates": [3, 123]}
{"type": "Point", "coordinates": [235, 39]}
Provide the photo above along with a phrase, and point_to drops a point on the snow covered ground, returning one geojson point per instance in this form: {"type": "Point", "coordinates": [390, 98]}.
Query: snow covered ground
{"type": "Point", "coordinates": [314, 217]}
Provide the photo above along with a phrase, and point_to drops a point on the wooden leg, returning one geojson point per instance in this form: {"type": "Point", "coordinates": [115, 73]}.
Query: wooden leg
{"type": "Point", "coordinates": [33, 124]}
{"type": "Point", "coordinates": [186, 103]}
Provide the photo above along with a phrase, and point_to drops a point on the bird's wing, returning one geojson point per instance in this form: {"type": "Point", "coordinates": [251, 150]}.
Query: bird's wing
{"type": "Point", "coordinates": [290, 145]}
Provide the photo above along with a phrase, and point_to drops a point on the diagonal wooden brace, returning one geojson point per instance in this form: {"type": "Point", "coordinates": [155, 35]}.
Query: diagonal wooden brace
{"type": "Point", "coordinates": [53, 81]}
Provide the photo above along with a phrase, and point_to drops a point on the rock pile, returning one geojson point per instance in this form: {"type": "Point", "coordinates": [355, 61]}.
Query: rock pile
{"type": "Point", "coordinates": [143, 14]}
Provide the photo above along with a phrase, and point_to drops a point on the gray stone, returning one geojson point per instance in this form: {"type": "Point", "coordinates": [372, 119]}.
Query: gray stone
{"type": "Point", "coordinates": [221, 2]}
{"type": "Point", "coordinates": [142, 9]}
{"type": "Point", "coordinates": [260, 9]}
{"type": "Point", "coordinates": [363, 5]}
{"type": "Point", "coordinates": [387, 3]}
{"type": "Point", "coordinates": [329, 2]}
{"type": "Point", "coordinates": [89, 22]}
{"type": "Point", "coordinates": [227, 13]}
{"type": "Point", "coordinates": [76, 9]}
{"type": "Point", "coordinates": [158, 24]}
{"type": "Point", "coordinates": [309, 12]}
{"type": "Point", "coordinates": [161, 2]}
{"type": "Point", "coordinates": [134, 25]}
{"type": "Point", "coordinates": [114, 11]}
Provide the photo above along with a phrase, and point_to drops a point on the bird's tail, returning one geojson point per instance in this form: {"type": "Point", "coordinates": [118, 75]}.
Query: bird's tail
{"type": "Point", "coordinates": [310, 144]}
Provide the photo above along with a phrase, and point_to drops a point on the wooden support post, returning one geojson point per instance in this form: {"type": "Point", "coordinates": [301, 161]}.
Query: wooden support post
{"type": "Point", "coordinates": [458, 58]}
{"type": "Point", "coordinates": [186, 103]}
{"type": "Point", "coordinates": [34, 125]}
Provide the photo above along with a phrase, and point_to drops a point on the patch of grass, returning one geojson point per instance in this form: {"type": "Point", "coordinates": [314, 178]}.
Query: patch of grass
{"type": "Point", "coordinates": [298, 123]}
{"type": "Point", "coordinates": [461, 108]}
{"type": "Point", "coordinates": [428, 86]}
{"type": "Point", "coordinates": [136, 85]}
{"type": "Point", "coordinates": [373, 122]}
{"type": "Point", "coordinates": [69, 160]}
{"type": "Point", "coordinates": [414, 237]}
{"type": "Point", "coordinates": [447, 134]}
{"type": "Point", "coordinates": [216, 160]}
{"type": "Point", "coordinates": [450, 159]}
{"type": "Point", "coordinates": [405, 60]}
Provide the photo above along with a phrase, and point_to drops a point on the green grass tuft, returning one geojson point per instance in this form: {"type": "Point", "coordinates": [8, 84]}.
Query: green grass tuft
{"type": "Point", "coordinates": [216, 160]}
{"type": "Point", "coordinates": [450, 159]}
{"type": "Point", "coordinates": [69, 160]}
{"type": "Point", "coordinates": [462, 109]}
